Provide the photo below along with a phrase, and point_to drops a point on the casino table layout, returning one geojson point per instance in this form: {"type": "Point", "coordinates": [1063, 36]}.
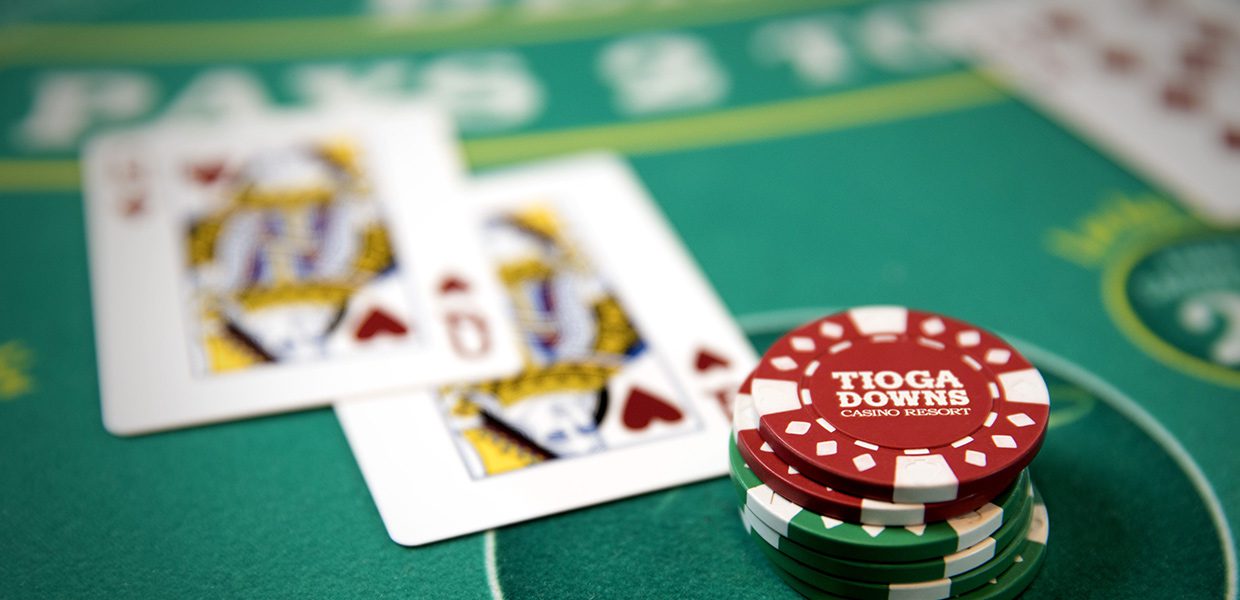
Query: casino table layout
{"type": "Point", "coordinates": [812, 155]}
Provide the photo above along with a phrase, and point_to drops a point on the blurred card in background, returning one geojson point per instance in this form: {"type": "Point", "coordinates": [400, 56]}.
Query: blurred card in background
{"type": "Point", "coordinates": [281, 263]}
{"type": "Point", "coordinates": [629, 360]}
{"type": "Point", "coordinates": [1155, 82]}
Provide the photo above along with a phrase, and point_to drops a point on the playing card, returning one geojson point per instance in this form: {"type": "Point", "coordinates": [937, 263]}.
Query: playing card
{"type": "Point", "coordinates": [1156, 82]}
{"type": "Point", "coordinates": [283, 263]}
{"type": "Point", "coordinates": [629, 360]}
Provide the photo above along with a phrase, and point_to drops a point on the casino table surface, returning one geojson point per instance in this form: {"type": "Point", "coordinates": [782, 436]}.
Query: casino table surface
{"type": "Point", "coordinates": [812, 155]}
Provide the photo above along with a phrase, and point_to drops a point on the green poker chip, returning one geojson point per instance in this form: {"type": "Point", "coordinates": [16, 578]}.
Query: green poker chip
{"type": "Point", "coordinates": [946, 567]}
{"type": "Point", "coordinates": [874, 543]}
{"type": "Point", "coordinates": [1009, 584]}
{"type": "Point", "coordinates": [1017, 578]}
{"type": "Point", "coordinates": [743, 478]}
{"type": "Point", "coordinates": [932, 589]}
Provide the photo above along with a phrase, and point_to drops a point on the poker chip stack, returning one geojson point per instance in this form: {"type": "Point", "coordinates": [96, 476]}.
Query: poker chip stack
{"type": "Point", "coordinates": [880, 453]}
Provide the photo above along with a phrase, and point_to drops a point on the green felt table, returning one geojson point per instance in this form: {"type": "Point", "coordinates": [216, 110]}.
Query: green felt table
{"type": "Point", "coordinates": [819, 156]}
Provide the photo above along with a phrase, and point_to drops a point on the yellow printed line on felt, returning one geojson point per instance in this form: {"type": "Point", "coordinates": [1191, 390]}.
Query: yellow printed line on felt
{"type": "Point", "coordinates": [24, 175]}
{"type": "Point", "coordinates": [214, 41]}
{"type": "Point", "coordinates": [788, 118]}
{"type": "Point", "coordinates": [16, 359]}
{"type": "Point", "coordinates": [829, 112]}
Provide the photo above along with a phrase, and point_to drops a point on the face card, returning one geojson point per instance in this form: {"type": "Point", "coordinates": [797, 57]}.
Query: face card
{"type": "Point", "coordinates": [1155, 82]}
{"type": "Point", "coordinates": [628, 363]}
{"type": "Point", "coordinates": [282, 263]}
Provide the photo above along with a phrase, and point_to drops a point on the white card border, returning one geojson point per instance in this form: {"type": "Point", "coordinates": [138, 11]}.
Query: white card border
{"type": "Point", "coordinates": [1116, 124]}
{"type": "Point", "coordinates": [419, 483]}
{"type": "Point", "coordinates": [146, 380]}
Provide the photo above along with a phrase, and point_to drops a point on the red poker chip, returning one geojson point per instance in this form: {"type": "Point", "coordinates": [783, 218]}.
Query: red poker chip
{"type": "Point", "coordinates": [808, 494]}
{"type": "Point", "coordinates": [901, 405]}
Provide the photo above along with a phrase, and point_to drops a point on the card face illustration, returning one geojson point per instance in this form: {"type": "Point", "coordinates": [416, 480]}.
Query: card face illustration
{"type": "Point", "coordinates": [289, 256]}
{"type": "Point", "coordinates": [1157, 84]}
{"type": "Point", "coordinates": [628, 362]}
{"type": "Point", "coordinates": [283, 263]}
{"type": "Point", "coordinates": [590, 380]}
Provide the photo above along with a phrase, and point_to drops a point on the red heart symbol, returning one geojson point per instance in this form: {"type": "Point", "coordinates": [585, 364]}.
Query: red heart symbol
{"type": "Point", "coordinates": [207, 173]}
{"type": "Point", "coordinates": [708, 360]}
{"type": "Point", "coordinates": [642, 407]}
{"type": "Point", "coordinates": [378, 322]}
{"type": "Point", "coordinates": [725, 401]}
{"type": "Point", "coordinates": [1120, 60]}
{"type": "Point", "coordinates": [452, 283]}
{"type": "Point", "coordinates": [1231, 137]}
{"type": "Point", "coordinates": [1063, 21]}
{"type": "Point", "coordinates": [134, 206]}
{"type": "Point", "coordinates": [1180, 97]}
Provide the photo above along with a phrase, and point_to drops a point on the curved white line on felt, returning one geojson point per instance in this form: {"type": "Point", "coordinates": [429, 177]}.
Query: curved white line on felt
{"type": "Point", "coordinates": [488, 551]}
